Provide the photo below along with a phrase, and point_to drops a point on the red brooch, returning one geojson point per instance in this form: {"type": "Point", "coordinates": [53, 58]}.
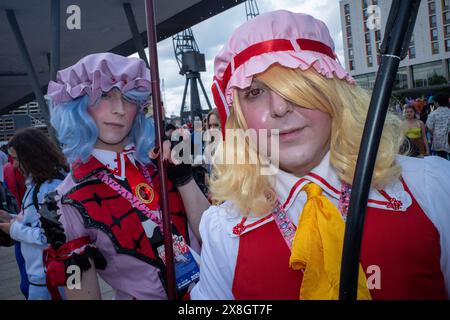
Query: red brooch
{"type": "Point", "coordinates": [239, 228]}
{"type": "Point", "coordinates": [394, 204]}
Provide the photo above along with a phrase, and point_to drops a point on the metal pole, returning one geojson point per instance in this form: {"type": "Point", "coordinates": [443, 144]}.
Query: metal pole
{"type": "Point", "coordinates": [55, 53]}
{"type": "Point", "coordinates": [137, 39]}
{"type": "Point", "coordinates": [195, 98]}
{"type": "Point", "coordinates": [28, 64]}
{"type": "Point", "coordinates": [395, 44]}
{"type": "Point", "coordinates": [156, 99]}
{"type": "Point", "coordinates": [204, 92]}
{"type": "Point", "coordinates": [183, 102]}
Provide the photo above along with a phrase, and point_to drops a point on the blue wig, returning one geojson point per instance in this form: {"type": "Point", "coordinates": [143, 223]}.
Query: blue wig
{"type": "Point", "coordinates": [77, 131]}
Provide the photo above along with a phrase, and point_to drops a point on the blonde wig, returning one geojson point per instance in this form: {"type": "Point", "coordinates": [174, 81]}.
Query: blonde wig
{"type": "Point", "coordinates": [347, 105]}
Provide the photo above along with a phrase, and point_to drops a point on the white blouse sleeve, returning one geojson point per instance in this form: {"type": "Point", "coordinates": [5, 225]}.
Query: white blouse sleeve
{"type": "Point", "coordinates": [429, 181]}
{"type": "Point", "coordinates": [218, 255]}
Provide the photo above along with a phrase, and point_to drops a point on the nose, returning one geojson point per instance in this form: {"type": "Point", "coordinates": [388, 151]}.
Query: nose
{"type": "Point", "coordinates": [279, 106]}
{"type": "Point", "coordinates": [117, 105]}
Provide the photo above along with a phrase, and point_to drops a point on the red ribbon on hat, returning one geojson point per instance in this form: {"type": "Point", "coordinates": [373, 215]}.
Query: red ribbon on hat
{"type": "Point", "coordinates": [219, 85]}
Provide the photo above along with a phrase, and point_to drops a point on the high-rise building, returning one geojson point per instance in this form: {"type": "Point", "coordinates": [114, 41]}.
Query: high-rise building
{"type": "Point", "coordinates": [426, 66]}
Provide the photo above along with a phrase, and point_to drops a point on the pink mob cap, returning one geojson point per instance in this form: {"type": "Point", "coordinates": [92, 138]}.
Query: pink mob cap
{"type": "Point", "coordinates": [97, 73]}
{"type": "Point", "coordinates": [293, 40]}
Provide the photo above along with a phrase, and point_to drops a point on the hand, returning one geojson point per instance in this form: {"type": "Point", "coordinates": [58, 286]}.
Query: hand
{"type": "Point", "coordinates": [178, 172]}
{"type": "Point", "coordinates": [5, 227]}
{"type": "Point", "coordinates": [5, 216]}
{"type": "Point", "coordinates": [154, 153]}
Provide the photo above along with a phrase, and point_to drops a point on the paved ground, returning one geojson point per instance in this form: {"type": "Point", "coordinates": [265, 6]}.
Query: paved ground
{"type": "Point", "coordinates": [9, 278]}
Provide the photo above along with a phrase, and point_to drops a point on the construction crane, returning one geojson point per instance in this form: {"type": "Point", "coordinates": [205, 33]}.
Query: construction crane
{"type": "Point", "coordinates": [191, 62]}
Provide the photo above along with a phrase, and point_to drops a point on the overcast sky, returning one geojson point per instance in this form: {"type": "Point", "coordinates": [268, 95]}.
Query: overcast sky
{"type": "Point", "coordinates": [214, 32]}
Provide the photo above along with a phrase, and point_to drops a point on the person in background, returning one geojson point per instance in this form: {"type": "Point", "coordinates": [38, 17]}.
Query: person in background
{"type": "Point", "coordinates": [43, 165]}
{"type": "Point", "coordinates": [415, 131]}
{"type": "Point", "coordinates": [438, 124]}
{"type": "Point", "coordinates": [15, 182]}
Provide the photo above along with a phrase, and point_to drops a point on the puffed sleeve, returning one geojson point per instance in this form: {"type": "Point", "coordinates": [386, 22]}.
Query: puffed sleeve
{"type": "Point", "coordinates": [70, 217]}
{"type": "Point", "coordinates": [218, 255]}
{"type": "Point", "coordinates": [429, 182]}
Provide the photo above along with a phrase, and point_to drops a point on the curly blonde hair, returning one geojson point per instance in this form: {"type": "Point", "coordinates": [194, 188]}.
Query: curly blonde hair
{"type": "Point", "coordinates": [252, 192]}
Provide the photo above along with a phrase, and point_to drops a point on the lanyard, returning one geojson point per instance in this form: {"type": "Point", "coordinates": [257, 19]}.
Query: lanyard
{"type": "Point", "coordinates": [153, 215]}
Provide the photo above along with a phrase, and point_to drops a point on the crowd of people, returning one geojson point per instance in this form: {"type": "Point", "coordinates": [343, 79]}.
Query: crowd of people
{"type": "Point", "coordinates": [427, 126]}
{"type": "Point", "coordinates": [237, 233]}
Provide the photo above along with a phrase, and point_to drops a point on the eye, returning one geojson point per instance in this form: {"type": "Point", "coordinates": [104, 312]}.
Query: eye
{"type": "Point", "coordinates": [253, 92]}
{"type": "Point", "coordinates": [105, 95]}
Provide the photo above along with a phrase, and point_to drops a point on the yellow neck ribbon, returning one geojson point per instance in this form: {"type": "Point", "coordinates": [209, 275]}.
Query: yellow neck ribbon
{"type": "Point", "coordinates": [317, 249]}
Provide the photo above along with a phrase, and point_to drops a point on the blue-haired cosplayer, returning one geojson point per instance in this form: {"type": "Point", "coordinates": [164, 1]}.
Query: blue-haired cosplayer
{"type": "Point", "coordinates": [109, 204]}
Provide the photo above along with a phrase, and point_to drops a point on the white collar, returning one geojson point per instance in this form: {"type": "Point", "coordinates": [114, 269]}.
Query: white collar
{"type": "Point", "coordinates": [289, 186]}
{"type": "Point", "coordinates": [115, 161]}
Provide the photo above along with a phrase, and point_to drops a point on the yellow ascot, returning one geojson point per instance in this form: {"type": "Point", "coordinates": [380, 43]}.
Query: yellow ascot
{"type": "Point", "coordinates": [317, 249]}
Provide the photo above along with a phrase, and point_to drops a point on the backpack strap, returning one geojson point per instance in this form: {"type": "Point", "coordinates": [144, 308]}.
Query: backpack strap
{"type": "Point", "coordinates": [35, 196]}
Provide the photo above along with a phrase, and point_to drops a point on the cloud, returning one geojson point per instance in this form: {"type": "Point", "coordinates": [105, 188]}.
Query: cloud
{"type": "Point", "coordinates": [211, 34]}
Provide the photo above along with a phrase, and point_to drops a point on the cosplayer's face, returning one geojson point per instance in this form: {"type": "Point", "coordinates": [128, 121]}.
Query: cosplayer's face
{"type": "Point", "coordinates": [304, 134]}
{"type": "Point", "coordinates": [114, 118]}
{"type": "Point", "coordinates": [409, 113]}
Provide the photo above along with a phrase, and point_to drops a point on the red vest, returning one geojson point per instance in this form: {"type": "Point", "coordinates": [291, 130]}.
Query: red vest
{"type": "Point", "coordinates": [102, 208]}
{"type": "Point", "coordinates": [404, 245]}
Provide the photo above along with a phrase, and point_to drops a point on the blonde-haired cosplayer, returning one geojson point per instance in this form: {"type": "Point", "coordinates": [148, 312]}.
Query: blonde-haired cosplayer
{"type": "Point", "coordinates": [309, 90]}
{"type": "Point", "coordinates": [280, 236]}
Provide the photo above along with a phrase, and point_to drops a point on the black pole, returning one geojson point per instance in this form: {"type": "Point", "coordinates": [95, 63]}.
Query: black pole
{"type": "Point", "coordinates": [157, 114]}
{"type": "Point", "coordinates": [183, 102]}
{"type": "Point", "coordinates": [29, 65]}
{"type": "Point", "coordinates": [204, 92]}
{"type": "Point", "coordinates": [55, 52]}
{"type": "Point", "coordinates": [137, 38]}
{"type": "Point", "coordinates": [396, 41]}
{"type": "Point", "coordinates": [195, 98]}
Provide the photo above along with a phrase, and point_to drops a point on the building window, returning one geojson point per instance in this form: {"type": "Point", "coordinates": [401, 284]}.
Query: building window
{"type": "Point", "coordinates": [412, 52]}
{"type": "Point", "coordinates": [447, 44]}
{"type": "Point", "coordinates": [447, 17]}
{"type": "Point", "coordinates": [367, 37]}
{"type": "Point", "coordinates": [349, 31]}
{"type": "Point", "coordinates": [377, 35]}
{"type": "Point", "coordinates": [447, 31]}
{"type": "Point", "coordinates": [369, 61]}
{"type": "Point", "coordinates": [351, 64]}
{"type": "Point", "coordinates": [347, 20]}
{"type": "Point", "coordinates": [366, 81]}
{"type": "Point", "coordinates": [364, 4]}
{"type": "Point", "coordinates": [433, 21]}
{"type": "Point", "coordinates": [432, 7]}
{"type": "Point", "coordinates": [434, 35]}
{"type": "Point", "coordinates": [347, 8]}
{"type": "Point", "coordinates": [445, 5]}
{"type": "Point", "coordinates": [350, 42]}
{"type": "Point", "coordinates": [350, 54]}
{"type": "Point", "coordinates": [428, 74]}
{"type": "Point", "coordinates": [368, 49]}
{"type": "Point", "coordinates": [401, 79]}
{"type": "Point", "coordinates": [435, 47]}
